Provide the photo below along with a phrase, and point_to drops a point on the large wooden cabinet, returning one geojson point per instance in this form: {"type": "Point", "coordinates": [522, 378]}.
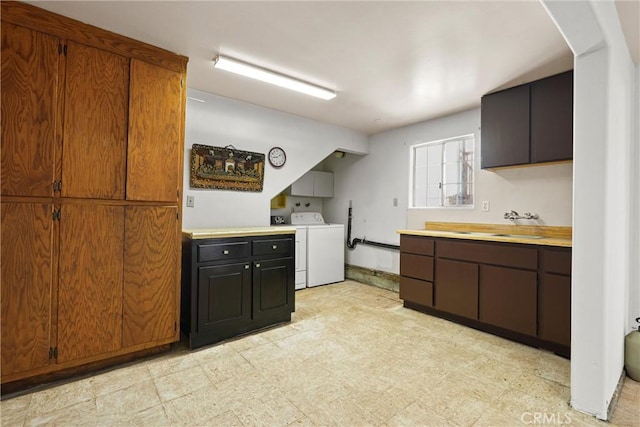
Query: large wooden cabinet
{"type": "Point", "coordinates": [92, 140]}
{"type": "Point", "coordinates": [519, 291]}
{"type": "Point", "coordinates": [234, 285]}
{"type": "Point", "coordinates": [528, 124]}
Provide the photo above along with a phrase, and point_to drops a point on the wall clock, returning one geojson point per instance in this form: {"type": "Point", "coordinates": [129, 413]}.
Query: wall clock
{"type": "Point", "coordinates": [277, 157]}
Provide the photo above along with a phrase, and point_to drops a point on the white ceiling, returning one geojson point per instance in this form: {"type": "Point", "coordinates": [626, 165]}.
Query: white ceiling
{"type": "Point", "coordinates": [391, 63]}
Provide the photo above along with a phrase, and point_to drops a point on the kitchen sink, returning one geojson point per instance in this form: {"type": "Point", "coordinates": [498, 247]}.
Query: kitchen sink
{"type": "Point", "coordinates": [474, 233]}
{"type": "Point", "coordinates": [520, 236]}
{"type": "Point", "coordinates": [515, 236]}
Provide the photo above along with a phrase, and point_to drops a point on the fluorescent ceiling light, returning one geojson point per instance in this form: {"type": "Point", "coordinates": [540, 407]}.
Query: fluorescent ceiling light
{"type": "Point", "coordinates": [274, 78]}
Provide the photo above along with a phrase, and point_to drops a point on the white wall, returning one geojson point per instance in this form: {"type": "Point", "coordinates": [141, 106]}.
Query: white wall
{"type": "Point", "coordinates": [222, 121]}
{"type": "Point", "coordinates": [373, 181]}
{"type": "Point", "coordinates": [604, 133]}
{"type": "Point", "coordinates": [634, 251]}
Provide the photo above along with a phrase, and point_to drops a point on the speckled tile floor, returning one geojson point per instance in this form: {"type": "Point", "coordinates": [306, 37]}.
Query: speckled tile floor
{"type": "Point", "coordinates": [352, 356]}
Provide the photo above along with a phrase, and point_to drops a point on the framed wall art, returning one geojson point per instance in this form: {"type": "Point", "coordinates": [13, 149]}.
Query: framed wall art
{"type": "Point", "coordinates": [226, 168]}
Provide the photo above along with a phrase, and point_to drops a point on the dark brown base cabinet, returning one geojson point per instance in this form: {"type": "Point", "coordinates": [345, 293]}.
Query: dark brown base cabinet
{"type": "Point", "coordinates": [518, 291]}
{"type": "Point", "coordinates": [231, 286]}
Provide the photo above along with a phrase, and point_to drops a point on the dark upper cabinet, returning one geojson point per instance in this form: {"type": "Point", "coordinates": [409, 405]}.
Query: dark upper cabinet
{"type": "Point", "coordinates": [552, 118]}
{"type": "Point", "coordinates": [505, 128]}
{"type": "Point", "coordinates": [528, 124]}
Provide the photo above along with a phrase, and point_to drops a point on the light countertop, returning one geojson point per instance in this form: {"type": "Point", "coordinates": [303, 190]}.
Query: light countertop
{"type": "Point", "coordinates": [530, 235]}
{"type": "Point", "coordinates": [212, 233]}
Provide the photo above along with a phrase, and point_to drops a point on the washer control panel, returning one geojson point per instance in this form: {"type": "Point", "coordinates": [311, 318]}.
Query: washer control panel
{"type": "Point", "coordinates": [306, 218]}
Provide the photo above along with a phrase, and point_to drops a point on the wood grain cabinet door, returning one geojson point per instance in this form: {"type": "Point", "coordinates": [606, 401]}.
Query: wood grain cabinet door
{"type": "Point", "coordinates": [154, 169]}
{"type": "Point", "coordinates": [150, 274]}
{"type": "Point", "coordinates": [29, 98]}
{"type": "Point", "coordinates": [90, 291]}
{"type": "Point", "coordinates": [95, 123]}
{"type": "Point", "coordinates": [26, 286]}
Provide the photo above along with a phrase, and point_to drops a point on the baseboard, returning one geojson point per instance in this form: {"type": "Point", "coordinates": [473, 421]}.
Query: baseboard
{"type": "Point", "coordinates": [616, 394]}
{"type": "Point", "coordinates": [380, 279]}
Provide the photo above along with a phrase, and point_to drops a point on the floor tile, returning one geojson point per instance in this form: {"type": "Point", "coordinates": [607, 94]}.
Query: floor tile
{"type": "Point", "coordinates": [59, 397]}
{"type": "Point", "coordinates": [352, 355]}
{"type": "Point", "coordinates": [181, 383]}
{"type": "Point", "coordinates": [119, 378]}
{"type": "Point", "coordinates": [130, 400]}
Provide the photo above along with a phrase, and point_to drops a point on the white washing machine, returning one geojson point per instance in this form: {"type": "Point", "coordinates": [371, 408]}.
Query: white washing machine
{"type": "Point", "coordinates": [324, 248]}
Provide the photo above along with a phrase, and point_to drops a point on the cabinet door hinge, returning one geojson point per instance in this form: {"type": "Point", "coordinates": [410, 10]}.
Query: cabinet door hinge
{"type": "Point", "coordinates": [64, 49]}
{"type": "Point", "coordinates": [55, 215]}
{"type": "Point", "coordinates": [57, 185]}
{"type": "Point", "coordinates": [177, 215]}
{"type": "Point", "coordinates": [53, 352]}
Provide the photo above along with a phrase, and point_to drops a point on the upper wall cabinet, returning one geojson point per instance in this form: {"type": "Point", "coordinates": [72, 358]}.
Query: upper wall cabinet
{"type": "Point", "coordinates": [30, 64]}
{"type": "Point", "coordinates": [95, 123]}
{"type": "Point", "coordinates": [90, 118]}
{"type": "Point", "coordinates": [528, 124]}
{"type": "Point", "coordinates": [154, 168]}
{"type": "Point", "coordinates": [313, 184]}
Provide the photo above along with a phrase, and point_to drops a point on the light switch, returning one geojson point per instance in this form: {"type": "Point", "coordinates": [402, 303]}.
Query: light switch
{"type": "Point", "coordinates": [190, 201]}
{"type": "Point", "coordinates": [485, 206]}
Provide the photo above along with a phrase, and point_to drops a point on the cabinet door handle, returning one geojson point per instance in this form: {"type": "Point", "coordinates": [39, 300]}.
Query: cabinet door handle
{"type": "Point", "coordinates": [225, 252]}
{"type": "Point", "coordinates": [274, 247]}
{"type": "Point", "coordinates": [258, 265]}
{"type": "Point", "coordinates": [246, 267]}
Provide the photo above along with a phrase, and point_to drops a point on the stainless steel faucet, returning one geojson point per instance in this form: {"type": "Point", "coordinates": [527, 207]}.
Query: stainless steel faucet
{"type": "Point", "coordinates": [513, 215]}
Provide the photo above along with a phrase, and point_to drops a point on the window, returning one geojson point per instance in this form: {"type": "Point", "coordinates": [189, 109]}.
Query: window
{"type": "Point", "coordinates": [442, 173]}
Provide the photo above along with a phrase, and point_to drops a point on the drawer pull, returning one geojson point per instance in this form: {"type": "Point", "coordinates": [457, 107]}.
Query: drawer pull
{"type": "Point", "coordinates": [274, 247]}
{"type": "Point", "coordinates": [246, 267]}
{"type": "Point", "coordinates": [225, 252]}
{"type": "Point", "coordinates": [258, 265]}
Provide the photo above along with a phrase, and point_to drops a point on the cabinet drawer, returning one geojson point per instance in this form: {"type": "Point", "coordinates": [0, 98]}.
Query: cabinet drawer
{"type": "Point", "coordinates": [221, 251]}
{"type": "Point", "coordinates": [417, 291]}
{"type": "Point", "coordinates": [282, 247]}
{"type": "Point", "coordinates": [508, 255]}
{"type": "Point", "coordinates": [556, 261]}
{"type": "Point", "coordinates": [416, 245]}
{"type": "Point", "coordinates": [416, 266]}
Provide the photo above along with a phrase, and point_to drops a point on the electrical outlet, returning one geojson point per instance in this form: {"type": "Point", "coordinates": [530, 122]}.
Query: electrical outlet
{"type": "Point", "coordinates": [485, 206]}
{"type": "Point", "coordinates": [190, 201]}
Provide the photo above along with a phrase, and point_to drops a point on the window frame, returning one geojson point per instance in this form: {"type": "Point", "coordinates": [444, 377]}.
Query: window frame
{"type": "Point", "coordinates": [412, 171]}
